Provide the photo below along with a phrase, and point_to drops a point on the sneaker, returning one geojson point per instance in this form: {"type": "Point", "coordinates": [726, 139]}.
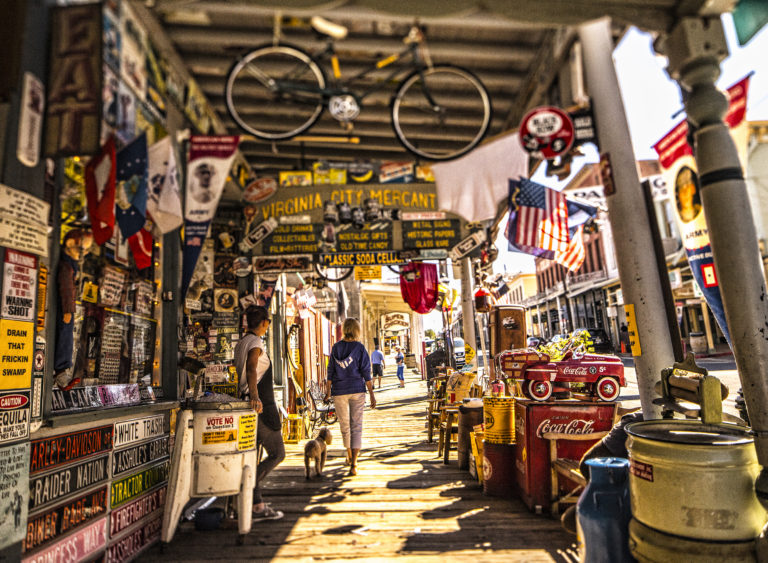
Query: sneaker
{"type": "Point", "coordinates": [268, 513]}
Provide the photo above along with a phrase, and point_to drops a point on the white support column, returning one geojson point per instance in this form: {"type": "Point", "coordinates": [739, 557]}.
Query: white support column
{"type": "Point", "coordinates": [468, 309]}
{"type": "Point", "coordinates": [637, 262]}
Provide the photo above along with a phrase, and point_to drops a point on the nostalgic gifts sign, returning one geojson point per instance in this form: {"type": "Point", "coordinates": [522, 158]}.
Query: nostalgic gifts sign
{"type": "Point", "coordinates": [51, 487]}
{"type": "Point", "coordinates": [354, 219]}
{"type": "Point", "coordinates": [19, 286]}
{"type": "Point", "coordinates": [17, 341]}
{"type": "Point", "coordinates": [49, 526]}
{"type": "Point", "coordinates": [80, 546]}
{"type": "Point", "coordinates": [23, 221]}
{"type": "Point", "coordinates": [14, 493]}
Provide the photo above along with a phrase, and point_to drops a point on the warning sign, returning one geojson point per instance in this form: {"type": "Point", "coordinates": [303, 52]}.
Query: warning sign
{"type": "Point", "coordinates": [14, 416]}
{"type": "Point", "coordinates": [19, 286]}
{"type": "Point", "coordinates": [219, 437]}
{"type": "Point", "coordinates": [16, 351]}
{"type": "Point", "coordinates": [367, 272]}
{"type": "Point", "coordinates": [247, 432]}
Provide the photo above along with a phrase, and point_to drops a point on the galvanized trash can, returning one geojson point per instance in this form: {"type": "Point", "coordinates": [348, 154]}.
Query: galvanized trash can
{"type": "Point", "coordinates": [214, 455]}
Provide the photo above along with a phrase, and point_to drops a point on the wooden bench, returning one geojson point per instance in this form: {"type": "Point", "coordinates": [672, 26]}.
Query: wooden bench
{"type": "Point", "coordinates": [568, 468]}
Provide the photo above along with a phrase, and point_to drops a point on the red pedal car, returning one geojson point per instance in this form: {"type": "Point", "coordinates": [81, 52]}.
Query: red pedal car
{"type": "Point", "coordinates": [602, 375]}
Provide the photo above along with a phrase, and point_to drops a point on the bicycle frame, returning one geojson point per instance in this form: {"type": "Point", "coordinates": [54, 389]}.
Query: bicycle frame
{"type": "Point", "coordinates": [405, 60]}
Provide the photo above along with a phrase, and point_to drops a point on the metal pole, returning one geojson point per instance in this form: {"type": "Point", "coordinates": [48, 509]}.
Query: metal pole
{"type": "Point", "coordinates": [637, 265]}
{"type": "Point", "coordinates": [731, 226]}
{"type": "Point", "coordinates": [468, 309]}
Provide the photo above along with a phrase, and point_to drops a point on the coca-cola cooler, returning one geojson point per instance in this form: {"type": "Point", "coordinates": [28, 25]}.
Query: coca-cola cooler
{"type": "Point", "coordinates": [507, 329]}
{"type": "Point", "coordinates": [534, 418]}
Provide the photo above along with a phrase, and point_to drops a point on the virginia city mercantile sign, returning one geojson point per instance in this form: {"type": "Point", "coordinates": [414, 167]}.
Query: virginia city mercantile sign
{"type": "Point", "coordinates": [372, 221]}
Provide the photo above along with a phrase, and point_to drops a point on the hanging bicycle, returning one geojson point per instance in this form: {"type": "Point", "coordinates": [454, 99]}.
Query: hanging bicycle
{"type": "Point", "coordinates": [438, 111]}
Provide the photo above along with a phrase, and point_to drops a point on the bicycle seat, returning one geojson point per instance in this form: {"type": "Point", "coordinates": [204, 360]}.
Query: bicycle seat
{"type": "Point", "coordinates": [329, 28]}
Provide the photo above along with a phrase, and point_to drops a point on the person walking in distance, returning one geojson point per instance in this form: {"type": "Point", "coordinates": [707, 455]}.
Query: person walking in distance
{"type": "Point", "coordinates": [349, 375]}
{"type": "Point", "coordinates": [254, 372]}
{"type": "Point", "coordinates": [400, 361]}
{"type": "Point", "coordinates": [377, 363]}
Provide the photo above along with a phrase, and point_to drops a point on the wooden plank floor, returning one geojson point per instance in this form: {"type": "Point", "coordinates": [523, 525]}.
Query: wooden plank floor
{"type": "Point", "coordinates": [403, 503]}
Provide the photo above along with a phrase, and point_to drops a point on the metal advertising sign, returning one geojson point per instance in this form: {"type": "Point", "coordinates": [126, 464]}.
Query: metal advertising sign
{"type": "Point", "coordinates": [135, 485]}
{"type": "Point", "coordinates": [48, 526]}
{"type": "Point", "coordinates": [55, 451]}
{"type": "Point", "coordinates": [17, 340]}
{"type": "Point", "coordinates": [279, 264]}
{"type": "Point", "coordinates": [132, 544]}
{"type": "Point", "coordinates": [14, 494]}
{"type": "Point", "coordinates": [30, 120]}
{"type": "Point", "coordinates": [127, 459]}
{"type": "Point", "coordinates": [467, 245]}
{"type": "Point", "coordinates": [14, 415]}
{"type": "Point", "coordinates": [139, 429]}
{"type": "Point", "coordinates": [367, 273]}
{"type": "Point", "coordinates": [80, 546]}
{"type": "Point", "coordinates": [347, 259]}
{"type": "Point", "coordinates": [546, 132]}
{"type": "Point", "coordinates": [431, 234]}
{"type": "Point", "coordinates": [50, 487]}
{"type": "Point", "coordinates": [19, 281]}
{"type": "Point", "coordinates": [23, 221]}
{"type": "Point", "coordinates": [126, 516]}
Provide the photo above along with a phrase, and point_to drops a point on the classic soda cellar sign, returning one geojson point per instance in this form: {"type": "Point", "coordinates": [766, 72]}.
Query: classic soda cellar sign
{"type": "Point", "coordinates": [137, 430]}
{"type": "Point", "coordinates": [51, 487]}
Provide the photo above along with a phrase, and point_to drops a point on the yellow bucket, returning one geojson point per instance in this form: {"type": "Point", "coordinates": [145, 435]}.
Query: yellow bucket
{"type": "Point", "coordinates": [499, 419]}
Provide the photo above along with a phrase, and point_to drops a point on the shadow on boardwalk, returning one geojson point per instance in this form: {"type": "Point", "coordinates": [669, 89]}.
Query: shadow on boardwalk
{"type": "Point", "coordinates": [404, 503]}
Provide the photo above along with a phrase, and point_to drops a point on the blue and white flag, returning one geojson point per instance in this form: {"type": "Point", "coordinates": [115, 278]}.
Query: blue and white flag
{"type": "Point", "coordinates": [131, 193]}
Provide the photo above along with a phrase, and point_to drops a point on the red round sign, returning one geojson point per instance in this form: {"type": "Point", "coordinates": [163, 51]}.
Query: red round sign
{"type": "Point", "coordinates": [546, 132]}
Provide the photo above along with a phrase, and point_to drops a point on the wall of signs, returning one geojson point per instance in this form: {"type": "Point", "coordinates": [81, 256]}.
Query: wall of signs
{"type": "Point", "coordinates": [96, 491]}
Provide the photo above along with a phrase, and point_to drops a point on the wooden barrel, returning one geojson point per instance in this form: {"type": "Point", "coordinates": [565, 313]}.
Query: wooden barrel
{"type": "Point", "coordinates": [468, 418]}
{"type": "Point", "coordinates": [499, 419]}
{"type": "Point", "coordinates": [498, 469]}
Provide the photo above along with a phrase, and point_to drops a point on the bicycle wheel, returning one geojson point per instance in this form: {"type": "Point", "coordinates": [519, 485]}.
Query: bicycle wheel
{"type": "Point", "coordinates": [334, 274]}
{"type": "Point", "coordinates": [441, 113]}
{"type": "Point", "coordinates": [275, 92]}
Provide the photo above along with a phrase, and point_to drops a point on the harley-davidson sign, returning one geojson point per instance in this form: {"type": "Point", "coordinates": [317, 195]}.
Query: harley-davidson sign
{"type": "Point", "coordinates": [58, 450]}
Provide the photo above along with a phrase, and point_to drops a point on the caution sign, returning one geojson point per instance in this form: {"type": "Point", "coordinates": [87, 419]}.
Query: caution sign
{"type": "Point", "coordinates": [368, 272]}
{"type": "Point", "coordinates": [469, 353]}
{"type": "Point", "coordinates": [219, 437]}
{"type": "Point", "coordinates": [247, 432]}
{"type": "Point", "coordinates": [17, 340]}
{"type": "Point", "coordinates": [634, 339]}
{"type": "Point", "coordinates": [14, 415]}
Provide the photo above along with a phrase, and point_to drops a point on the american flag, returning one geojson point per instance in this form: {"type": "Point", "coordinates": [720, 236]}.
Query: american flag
{"type": "Point", "coordinates": [575, 255]}
{"type": "Point", "coordinates": [538, 220]}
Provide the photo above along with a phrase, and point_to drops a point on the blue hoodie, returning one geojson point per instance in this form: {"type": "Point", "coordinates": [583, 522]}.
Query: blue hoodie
{"type": "Point", "coordinates": [349, 367]}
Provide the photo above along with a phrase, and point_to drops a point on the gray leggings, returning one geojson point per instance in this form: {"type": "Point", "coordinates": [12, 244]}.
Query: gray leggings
{"type": "Point", "coordinates": [272, 441]}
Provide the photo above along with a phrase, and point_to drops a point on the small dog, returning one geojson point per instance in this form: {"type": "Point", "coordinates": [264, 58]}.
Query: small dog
{"type": "Point", "coordinates": [316, 449]}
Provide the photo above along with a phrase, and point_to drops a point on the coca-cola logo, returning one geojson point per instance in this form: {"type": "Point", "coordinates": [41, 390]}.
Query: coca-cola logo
{"type": "Point", "coordinates": [575, 371]}
{"type": "Point", "coordinates": [575, 426]}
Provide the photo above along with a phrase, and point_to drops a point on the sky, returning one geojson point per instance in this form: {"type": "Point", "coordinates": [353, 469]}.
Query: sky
{"type": "Point", "coordinates": [652, 104]}
{"type": "Point", "coordinates": [653, 107]}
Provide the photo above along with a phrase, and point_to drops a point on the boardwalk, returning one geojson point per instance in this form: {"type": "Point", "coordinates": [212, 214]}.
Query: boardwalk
{"type": "Point", "coordinates": [404, 503]}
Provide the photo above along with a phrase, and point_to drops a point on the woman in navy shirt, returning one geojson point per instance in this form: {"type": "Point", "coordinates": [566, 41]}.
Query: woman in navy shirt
{"type": "Point", "coordinates": [349, 375]}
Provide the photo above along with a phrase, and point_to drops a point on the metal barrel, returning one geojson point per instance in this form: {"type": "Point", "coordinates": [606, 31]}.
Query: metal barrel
{"type": "Point", "coordinates": [498, 469]}
{"type": "Point", "coordinates": [499, 419]}
{"type": "Point", "coordinates": [695, 480]}
{"type": "Point", "coordinates": [469, 417]}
